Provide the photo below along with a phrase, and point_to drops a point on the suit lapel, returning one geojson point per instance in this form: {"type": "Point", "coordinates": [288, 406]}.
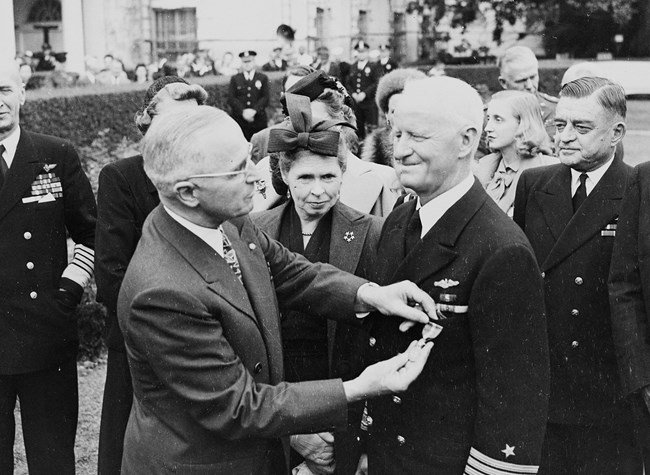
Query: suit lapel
{"type": "Point", "coordinates": [27, 163]}
{"type": "Point", "coordinates": [260, 292]}
{"type": "Point", "coordinates": [436, 249]}
{"type": "Point", "coordinates": [600, 208]}
{"type": "Point", "coordinates": [347, 238]}
{"type": "Point", "coordinates": [205, 260]}
{"type": "Point", "coordinates": [555, 201]}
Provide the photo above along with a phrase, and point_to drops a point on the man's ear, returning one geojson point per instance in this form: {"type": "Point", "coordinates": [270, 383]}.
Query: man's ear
{"type": "Point", "coordinates": [502, 82]}
{"type": "Point", "coordinates": [284, 177]}
{"type": "Point", "coordinates": [619, 129]}
{"type": "Point", "coordinates": [186, 193]}
{"type": "Point", "coordinates": [468, 138]}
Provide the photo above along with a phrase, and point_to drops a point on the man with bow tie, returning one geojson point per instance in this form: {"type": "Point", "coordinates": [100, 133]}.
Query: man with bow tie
{"type": "Point", "coordinates": [44, 196]}
{"type": "Point", "coordinates": [569, 211]}
{"type": "Point", "coordinates": [248, 96]}
{"type": "Point", "coordinates": [480, 404]}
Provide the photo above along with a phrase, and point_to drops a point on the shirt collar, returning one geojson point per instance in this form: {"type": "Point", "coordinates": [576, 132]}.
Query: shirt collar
{"type": "Point", "coordinates": [593, 177]}
{"type": "Point", "coordinates": [249, 75]}
{"type": "Point", "coordinates": [11, 144]}
{"type": "Point", "coordinates": [213, 237]}
{"type": "Point", "coordinates": [435, 209]}
{"type": "Point", "coordinates": [362, 64]}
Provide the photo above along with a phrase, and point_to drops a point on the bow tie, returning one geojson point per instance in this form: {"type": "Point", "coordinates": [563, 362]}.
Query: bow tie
{"type": "Point", "coordinates": [499, 184]}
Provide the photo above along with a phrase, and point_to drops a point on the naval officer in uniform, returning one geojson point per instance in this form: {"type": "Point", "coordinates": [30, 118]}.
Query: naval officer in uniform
{"type": "Point", "coordinates": [361, 84]}
{"type": "Point", "coordinates": [480, 404]}
{"type": "Point", "coordinates": [44, 196]}
{"type": "Point", "coordinates": [569, 211]}
{"type": "Point", "coordinates": [248, 96]}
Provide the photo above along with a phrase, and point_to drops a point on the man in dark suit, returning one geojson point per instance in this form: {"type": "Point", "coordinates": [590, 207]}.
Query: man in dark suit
{"type": "Point", "coordinates": [198, 309]}
{"type": "Point", "coordinates": [629, 290]}
{"type": "Point", "coordinates": [275, 63]}
{"type": "Point", "coordinates": [480, 404]}
{"type": "Point", "coordinates": [569, 213]}
{"type": "Point", "coordinates": [248, 96]}
{"type": "Point", "coordinates": [361, 83]}
{"type": "Point", "coordinates": [325, 64]}
{"type": "Point", "coordinates": [44, 195]}
{"type": "Point", "coordinates": [125, 198]}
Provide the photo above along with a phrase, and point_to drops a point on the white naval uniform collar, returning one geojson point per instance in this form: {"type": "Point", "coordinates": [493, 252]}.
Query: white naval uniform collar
{"type": "Point", "coordinates": [435, 209]}
{"type": "Point", "coordinates": [593, 177]}
{"type": "Point", "coordinates": [249, 75]}
{"type": "Point", "coordinates": [213, 237]}
{"type": "Point", "coordinates": [362, 64]}
{"type": "Point", "coordinates": [11, 144]}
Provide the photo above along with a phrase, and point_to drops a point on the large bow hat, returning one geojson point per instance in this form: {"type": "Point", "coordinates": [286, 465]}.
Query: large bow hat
{"type": "Point", "coordinates": [319, 139]}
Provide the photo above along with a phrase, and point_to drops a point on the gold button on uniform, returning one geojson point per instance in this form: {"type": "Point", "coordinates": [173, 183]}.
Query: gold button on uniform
{"type": "Point", "coordinates": [397, 400]}
{"type": "Point", "coordinates": [252, 246]}
{"type": "Point", "coordinates": [543, 274]}
{"type": "Point", "coordinates": [27, 235]}
{"type": "Point", "coordinates": [400, 440]}
{"type": "Point", "coordinates": [33, 295]}
{"type": "Point", "coordinates": [372, 341]}
{"type": "Point", "coordinates": [30, 265]}
{"type": "Point", "coordinates": [575, 312]}
{"type": "Point", "coordinates": [369, 421]}
{"type": "Point", "coordinates": [578, 281]}
{"type": "Point", "coordinates": [574, 344]}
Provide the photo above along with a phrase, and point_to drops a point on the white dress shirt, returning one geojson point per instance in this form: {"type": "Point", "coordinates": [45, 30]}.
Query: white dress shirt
{"type": "Point", "coordinates": [431, 212]}
{"type": "Point", "coordinates": [213, 237]}
{"type": "Point", "coordinates": [11, 144]}
{"type": "Point", "coordinates": [593, 177]}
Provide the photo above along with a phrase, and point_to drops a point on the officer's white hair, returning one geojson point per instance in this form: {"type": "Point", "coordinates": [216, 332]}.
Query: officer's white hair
{"type": "Point", "coordinates": [516, 54]}
{"type": "Point", "coordinates": [455, 100]}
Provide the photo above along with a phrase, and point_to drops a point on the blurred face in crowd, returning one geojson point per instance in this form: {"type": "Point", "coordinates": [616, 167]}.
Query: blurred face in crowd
{"type": "Point", "coordinates": [315, 184]}
{"type": "Point", "coordinates": [141, 73]}
{"type": "Point", "coordinates": [520, 75]}
{"type": "Point", "coordinates": [248, 64]}
{"type": "Point", "coordinates": [502, 126]}
{"type": "Point", "coordinates": [12, 96]}
{"type": "Point", "coordinates": [586, 134]}
{"type": "Point", "coordinates": [426, 149]}
{"type": "Point", "coordinates": [362, 55]}
{"type": "Point", "coordinates": [25, 72]}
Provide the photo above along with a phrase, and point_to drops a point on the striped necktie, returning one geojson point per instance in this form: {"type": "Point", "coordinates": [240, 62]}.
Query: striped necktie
{"type": "Point", "coordinates": [3, 166]}
{"type": "Point", "coordinates": [230, 256]}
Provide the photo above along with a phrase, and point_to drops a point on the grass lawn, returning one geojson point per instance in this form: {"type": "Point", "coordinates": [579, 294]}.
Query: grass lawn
{"type": "Point", "coordinates": [91, 387]}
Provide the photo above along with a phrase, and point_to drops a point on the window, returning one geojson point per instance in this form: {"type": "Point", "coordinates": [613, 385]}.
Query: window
{"type": "Point", "coordinates": [175, 31]}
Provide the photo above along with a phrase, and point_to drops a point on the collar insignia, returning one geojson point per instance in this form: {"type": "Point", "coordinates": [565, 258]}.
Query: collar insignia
{"type": "Point", "coordinates": [446, 283]}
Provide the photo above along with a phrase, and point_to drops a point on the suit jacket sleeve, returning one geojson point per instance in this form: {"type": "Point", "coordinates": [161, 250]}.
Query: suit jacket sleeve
{"type": "Point", "coordinates": [263, 101]}
{"type": "Point", "coordinates": [116, 235]}
{"type": "Point", "coordinates": [235, 104]}
{"type": "Point", "coordinates": [508, 330]}
{"type": "Point", "coordinates": [190, 355]}
{"type": "Point", "coordinates": [626, 286]}
{"type": "Point", "coordinates": [316, 289]}
{"type": "Point", "coordinates": [521, 195]}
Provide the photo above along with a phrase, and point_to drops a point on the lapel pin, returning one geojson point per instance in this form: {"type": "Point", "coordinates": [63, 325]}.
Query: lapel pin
{"type": "Point", "coordinates": [49, 166]}
{"type": "Point", "coordinates": [446, 283]}
{"type": "Point", "coordinates": [349, 236]}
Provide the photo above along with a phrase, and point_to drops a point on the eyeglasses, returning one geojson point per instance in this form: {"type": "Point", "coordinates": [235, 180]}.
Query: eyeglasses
{"type": "Point", "coordinates": [238, 172]}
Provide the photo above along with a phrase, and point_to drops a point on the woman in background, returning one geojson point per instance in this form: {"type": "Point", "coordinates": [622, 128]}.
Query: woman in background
{"type": "Point", "coordinates": [515, 133]}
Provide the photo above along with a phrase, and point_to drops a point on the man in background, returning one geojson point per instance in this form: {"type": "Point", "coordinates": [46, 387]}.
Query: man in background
{"type": "Point", "coordinates": [248, 96]}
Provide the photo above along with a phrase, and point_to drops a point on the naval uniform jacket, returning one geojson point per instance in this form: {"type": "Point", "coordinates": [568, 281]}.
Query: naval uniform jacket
{"type": "Point", "coordinates": [206, 355]}
{"type": "Point", "coordinates": [574, 253]}
{"type": "Point", "coordinates": [364, 80]}
{"type": "Point", "coordinates": [45, 195]}
{"type": "Point", "coordinates": [125, 198]}
{"type": "Point", "coordinates": [481, 399]}
{"type": "Point", "coordinates": [244, 94]}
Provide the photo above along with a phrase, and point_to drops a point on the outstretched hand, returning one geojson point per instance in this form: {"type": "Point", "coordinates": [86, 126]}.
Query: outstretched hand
{"type": "Point", "coordinates": [403, 299]}
{"type": "Point", "coordinates": [390, 376]}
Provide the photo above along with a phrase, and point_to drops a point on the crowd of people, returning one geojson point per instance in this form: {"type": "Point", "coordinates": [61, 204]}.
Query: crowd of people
{"type": "Point", "coordinates": [459, 291]}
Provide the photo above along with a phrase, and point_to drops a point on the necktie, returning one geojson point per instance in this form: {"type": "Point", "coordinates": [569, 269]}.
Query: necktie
{"type": "Point", "coordinates": [581, 192]}
{"type": "Point", "coordinates": [3, 167]}
{"type": "Point", "coordinates": [413, 231]}
{"type": "Point", "coordinates": [230, 256]}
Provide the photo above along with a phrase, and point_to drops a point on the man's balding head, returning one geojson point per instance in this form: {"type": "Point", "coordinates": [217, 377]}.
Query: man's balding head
{"type": "Point", "coordinates": [519, 70]}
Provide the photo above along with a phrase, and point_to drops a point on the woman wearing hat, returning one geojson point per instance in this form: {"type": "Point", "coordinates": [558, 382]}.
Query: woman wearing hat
{"type": "Point", "coordinates": [314, 223]}
{"type": "Point", "coordinates": [516, 135]}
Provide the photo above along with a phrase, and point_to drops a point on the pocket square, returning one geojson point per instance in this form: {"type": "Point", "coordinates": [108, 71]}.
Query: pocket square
{"type": "Point", "coordinates": [31, 199]}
